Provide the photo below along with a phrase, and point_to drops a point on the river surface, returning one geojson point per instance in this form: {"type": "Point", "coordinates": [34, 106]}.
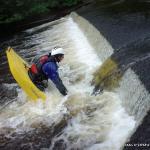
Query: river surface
{"type": "Point", "coordinates": [79, 120]}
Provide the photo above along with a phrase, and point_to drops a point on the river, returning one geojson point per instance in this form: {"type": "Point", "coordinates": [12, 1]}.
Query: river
{"type": "Point", "coordinates": [80, 120]}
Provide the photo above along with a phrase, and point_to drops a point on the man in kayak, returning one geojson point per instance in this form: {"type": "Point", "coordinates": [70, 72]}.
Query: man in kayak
{"type": "Point", "coordinates": [45, 68]}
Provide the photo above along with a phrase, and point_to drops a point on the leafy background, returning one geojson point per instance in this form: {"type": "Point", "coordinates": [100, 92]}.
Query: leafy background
{"type": "Point", "coordinates": [16, 10]}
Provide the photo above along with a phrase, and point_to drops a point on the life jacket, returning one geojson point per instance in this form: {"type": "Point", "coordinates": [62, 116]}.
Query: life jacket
{"type": "Point", "coordinates": [36, 67]}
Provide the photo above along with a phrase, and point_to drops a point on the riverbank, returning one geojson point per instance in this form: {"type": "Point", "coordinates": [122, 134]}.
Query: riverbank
{"type": "Point", "coordinates": [9, 29]}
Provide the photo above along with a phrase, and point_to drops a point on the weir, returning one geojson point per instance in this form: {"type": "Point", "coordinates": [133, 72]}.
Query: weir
{"type": "Point", "coordinates": [118, 64]}
{"type": "Point", "coordinates": [117, 73]}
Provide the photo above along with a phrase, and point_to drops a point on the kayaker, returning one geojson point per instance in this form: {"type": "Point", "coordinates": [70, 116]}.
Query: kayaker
{"type": "Point", "coordinates": [45, 68]}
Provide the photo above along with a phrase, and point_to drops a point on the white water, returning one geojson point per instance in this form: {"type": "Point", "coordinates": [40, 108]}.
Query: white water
{"type": "Point", "coordinates": [98, 122]}
{"type": "Point", "coordinates": [134, 95]}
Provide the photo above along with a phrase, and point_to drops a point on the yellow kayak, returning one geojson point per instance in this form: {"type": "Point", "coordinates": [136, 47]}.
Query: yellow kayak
{"type": "Point", "coordinates": [19, 69]}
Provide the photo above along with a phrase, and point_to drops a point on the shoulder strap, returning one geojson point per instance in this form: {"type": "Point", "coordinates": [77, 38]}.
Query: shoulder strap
{"type": "Point", "coordinates": [43, 59]}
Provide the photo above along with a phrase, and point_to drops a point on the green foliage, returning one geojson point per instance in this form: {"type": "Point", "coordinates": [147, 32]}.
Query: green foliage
{"type": "Point", "coordinates": [53, 3]}
{"type": "Point", "coordinates": [15, 10]}
{"type": "Point", "coordinates": [38, 9]}
{"type": "Point", "coordinates": [70, 2]}
{"type": "Point", "coordinates": [15, 17]}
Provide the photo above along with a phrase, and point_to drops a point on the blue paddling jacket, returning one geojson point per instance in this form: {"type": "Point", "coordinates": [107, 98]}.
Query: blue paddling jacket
{"type": "Point", "coordinates": [50, 69]}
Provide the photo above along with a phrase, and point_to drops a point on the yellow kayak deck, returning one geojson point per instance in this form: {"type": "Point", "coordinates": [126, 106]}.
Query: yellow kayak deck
{"type": "Point", "coordinates": [19, 69]}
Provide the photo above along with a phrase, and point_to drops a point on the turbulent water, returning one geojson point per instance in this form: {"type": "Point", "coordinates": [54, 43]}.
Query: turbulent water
{"type": "Point", "coordinates": [79, 120]}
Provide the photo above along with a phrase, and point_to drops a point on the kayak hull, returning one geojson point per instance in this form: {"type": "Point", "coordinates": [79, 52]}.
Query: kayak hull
{"type": "Point", "coordinates": [19, 70]}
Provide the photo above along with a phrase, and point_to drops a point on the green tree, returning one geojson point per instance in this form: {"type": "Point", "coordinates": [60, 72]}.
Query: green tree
{"type": "Point", "coordinates": [15, 10]}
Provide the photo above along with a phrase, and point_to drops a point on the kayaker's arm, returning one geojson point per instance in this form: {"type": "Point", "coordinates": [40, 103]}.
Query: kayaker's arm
{"type": "Point", "coordinates": [52, 74]}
